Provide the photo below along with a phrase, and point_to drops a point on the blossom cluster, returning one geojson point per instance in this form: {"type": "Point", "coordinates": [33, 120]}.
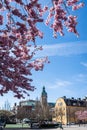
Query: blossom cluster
{"type": "Point", "coordinates": [59, 13]}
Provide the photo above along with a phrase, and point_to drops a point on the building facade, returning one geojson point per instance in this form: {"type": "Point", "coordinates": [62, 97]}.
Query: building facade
{"type": "Point", "coordinates": [65, 109]}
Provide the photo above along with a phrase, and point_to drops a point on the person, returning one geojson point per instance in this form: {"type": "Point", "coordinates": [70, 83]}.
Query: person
{"type": "Point", "coordinates": [60, 126]}
{"type": "Point", "coordinates": [31, 124]}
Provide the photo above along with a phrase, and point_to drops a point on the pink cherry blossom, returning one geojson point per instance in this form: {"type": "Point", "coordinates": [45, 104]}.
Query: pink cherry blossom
{"type": "Point", "coordinates": [81, 115]}
{"type": "Point", "coordinates": [19, 21]}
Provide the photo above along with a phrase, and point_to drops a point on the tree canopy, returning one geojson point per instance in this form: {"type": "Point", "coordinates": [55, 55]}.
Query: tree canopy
{"type": "Point", "coordinates": [18, 31]}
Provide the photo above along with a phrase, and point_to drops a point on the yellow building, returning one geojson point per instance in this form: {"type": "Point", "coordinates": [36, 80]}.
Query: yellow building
{"type": "Point", "coordinates": [65, 109]}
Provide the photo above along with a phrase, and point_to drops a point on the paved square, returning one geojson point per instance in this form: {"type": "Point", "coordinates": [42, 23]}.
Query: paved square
{"type": "Point", "coordinates": [72, 127]}
{"type": "Point", "coordinates": [76, 127]}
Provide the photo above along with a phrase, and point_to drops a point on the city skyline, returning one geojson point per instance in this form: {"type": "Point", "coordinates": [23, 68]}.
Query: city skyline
{"type": "Point", "coordinates": [66, 74]}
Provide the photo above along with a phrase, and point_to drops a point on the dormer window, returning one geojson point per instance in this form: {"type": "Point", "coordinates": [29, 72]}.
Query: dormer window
{"type": "Point", "coordinates": [74, 104]}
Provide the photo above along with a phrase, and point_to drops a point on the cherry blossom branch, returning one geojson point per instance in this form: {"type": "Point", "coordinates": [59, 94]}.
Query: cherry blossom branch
{"type": "Point", "coordinates": [18, 29]}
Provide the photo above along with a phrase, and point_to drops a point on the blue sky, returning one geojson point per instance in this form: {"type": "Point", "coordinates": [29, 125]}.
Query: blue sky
{"type": "Point", "coordinates": [66, 75]}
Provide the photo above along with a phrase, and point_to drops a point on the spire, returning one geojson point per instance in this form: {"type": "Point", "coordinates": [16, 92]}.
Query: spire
{"type": "Point", "coordinates": [44, 98]}
{"type": "Point", "coordinates": [44, 93]}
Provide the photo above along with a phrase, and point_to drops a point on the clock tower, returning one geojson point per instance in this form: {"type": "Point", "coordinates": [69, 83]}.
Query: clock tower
{"type": "Point", "coordinates": [44, 98]}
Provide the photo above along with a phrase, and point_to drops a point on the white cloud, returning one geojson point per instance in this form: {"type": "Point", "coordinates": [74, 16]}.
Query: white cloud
{"type": "Point", "coordinates": [59, 84]}
{"type": "Point", "coordinates": [82, 78]}
{"type": "Point", "coordinates": [63, 49]}
{"type": "Point", "coordinates": [84, 64]}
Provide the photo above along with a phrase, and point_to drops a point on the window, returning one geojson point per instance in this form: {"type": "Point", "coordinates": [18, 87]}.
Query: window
{"type": "Point", "coordinates": [60, 104]}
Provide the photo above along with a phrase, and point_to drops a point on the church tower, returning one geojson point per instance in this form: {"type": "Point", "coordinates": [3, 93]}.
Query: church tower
{"type": "Point", "coordinates": [44, 98]}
